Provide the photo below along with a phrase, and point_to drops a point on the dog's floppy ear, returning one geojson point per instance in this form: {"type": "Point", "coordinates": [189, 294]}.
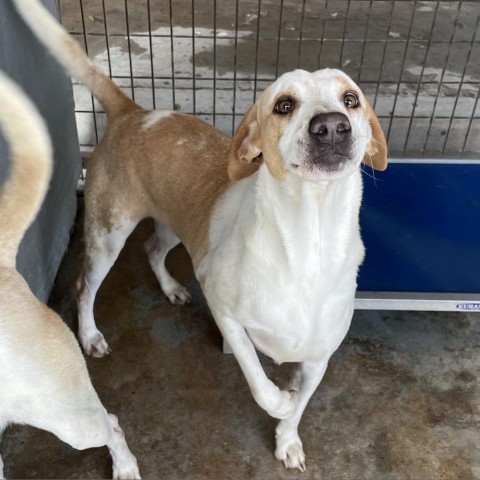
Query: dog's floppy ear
{"type": "Point", "coordinates": [376, 154]}
{"type": "Point", "coordinates": [245, 149]}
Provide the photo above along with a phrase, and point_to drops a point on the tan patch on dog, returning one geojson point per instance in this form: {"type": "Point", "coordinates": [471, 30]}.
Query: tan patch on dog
{"type": "Point", "coordinates": [245, 149]}
{"type": "Point", "coordinates": [258, 134]}
{"type": "Point", "coordinates": [271, 152]}
{"type": "Point", "coordinates": [272, 126]}
{"type": "Point", "coordinates": [376, 154]}
{"type": "Point", "coordinates": [173, 171]}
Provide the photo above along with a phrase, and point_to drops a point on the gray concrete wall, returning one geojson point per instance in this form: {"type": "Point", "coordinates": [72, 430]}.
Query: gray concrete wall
{"type": "Point", "coordinates": [26, 62]}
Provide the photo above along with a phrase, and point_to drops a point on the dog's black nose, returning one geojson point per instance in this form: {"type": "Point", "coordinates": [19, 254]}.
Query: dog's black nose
{"type": "Point", "coordinates": [330, 127]}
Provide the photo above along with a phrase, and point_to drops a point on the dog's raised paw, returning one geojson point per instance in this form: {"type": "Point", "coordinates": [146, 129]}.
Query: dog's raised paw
{"type": "Point", "coordinates": [284, 405]}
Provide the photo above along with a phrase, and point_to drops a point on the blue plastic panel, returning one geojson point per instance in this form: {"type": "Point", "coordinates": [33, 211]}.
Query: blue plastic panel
{"type": "Point", "coordinates": [421, 228]}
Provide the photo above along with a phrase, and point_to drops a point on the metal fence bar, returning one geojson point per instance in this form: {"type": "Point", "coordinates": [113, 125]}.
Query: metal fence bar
{"type": "Point", "coordinates": [257, 46]}
{"type": "Point", "coordinates": [129, 50]}
{"type": "Point", "coordinates": [407, 43]}
{"type": "Point", "coordinates": [322, 39]}
{"type": "Point", "coordinates": [232, 37]}
{"type": "Point", "coordinates": [367, 25]}
{"type": "Point", "coordinates": [107, 44]}
{"type": "Point", "coordinates": [420, 78]}
{"type": "Point", "coordinates": [423, 71]}
{"type": "Point", "coordinates": [470, 123]}
{"type": "Point", "coordinates": [340, 59]}
{"type": "Point", "coordinates": [467, 61]}
{"type": "Point", "coordinates": [440, 83]}
{"type": "Point", "coordinates": [214, 93]}
{"type": "Point", "coordinates": [402, 117]}
{"type": "Point", "coordinates": [235, 66]}
{"type": "Point", "coordinates": [279, 36]}
{"type": "Point", "coordinates": [384, 53]}
{"type": "Point", "coordinates": [300, 38]}
{"type": "Point", "coordinates": [84, 30]}
{"type": "Point", "coordinates": [150, 43]}
{"type": "Point", "coordinates": [272, 78]}
{"type": "Point", "coordinates": [194, 96]}
{"type": "Point", "coordinates": [172, 52]}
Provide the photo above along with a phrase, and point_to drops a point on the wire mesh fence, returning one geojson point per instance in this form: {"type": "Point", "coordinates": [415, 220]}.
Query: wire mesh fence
{"type": "Point", "coordinates": [416, 61]}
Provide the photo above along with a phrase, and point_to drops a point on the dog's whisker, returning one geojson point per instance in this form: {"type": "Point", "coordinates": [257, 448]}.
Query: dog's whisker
{"type": "Point", "coordinates": [378, 141]}
{"type": "Point", "coordinates": [362, 169]}
{"type": "Point", "coordinates": [356, 137]}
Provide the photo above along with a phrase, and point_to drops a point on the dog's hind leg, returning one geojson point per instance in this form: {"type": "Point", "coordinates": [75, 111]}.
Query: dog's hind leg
{"type": "Point", "coordinates": [157, 248]}
{"type": "Point", "coordinates": [124, 462]}
{"type": "Point", "coordinates": [102, 247]}
{"type": "Point", "coordinates": [91, 428]}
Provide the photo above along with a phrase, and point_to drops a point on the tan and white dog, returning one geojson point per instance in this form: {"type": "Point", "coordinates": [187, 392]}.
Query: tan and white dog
{"type": "Point", "coordinates": [43, 377]}
{"type": "Point", "coordinates": [270, 218]}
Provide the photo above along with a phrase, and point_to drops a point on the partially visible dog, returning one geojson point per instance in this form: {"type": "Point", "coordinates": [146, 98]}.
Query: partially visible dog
{"type": "Point", "coordinates": [43, 377]}
{"type": "Point", "coordinates": [270, 219]}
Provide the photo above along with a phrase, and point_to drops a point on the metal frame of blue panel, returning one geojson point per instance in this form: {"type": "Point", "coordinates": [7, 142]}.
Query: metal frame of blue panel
{"type": "Point", "coordinates": [420, 223]}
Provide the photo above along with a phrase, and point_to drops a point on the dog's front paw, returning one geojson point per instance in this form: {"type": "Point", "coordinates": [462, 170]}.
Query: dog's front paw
{"type": "Point", "coordinates": [289, 448]}
{"type": "Point", "coordinates": [279, 403]}
{"type": "Point", "coordinates": [129, 473]}
{"type": "Point", "coordinates": [94, 344]}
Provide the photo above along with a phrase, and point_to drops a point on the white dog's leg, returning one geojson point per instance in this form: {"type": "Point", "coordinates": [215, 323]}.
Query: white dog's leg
{"type": "Point", "coordinates": [278, 403]}
{"type": "Point", "coordinates": [101, 251]}
{"type": "Point", "coordinates": [124, 462]}
{"type": "Point", "coordinates": [157, 248]}
{"type": "Point", "coordinates": [305, 381]}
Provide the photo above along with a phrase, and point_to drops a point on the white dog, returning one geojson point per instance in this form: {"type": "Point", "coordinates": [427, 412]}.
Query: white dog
{"type": "Point", "coordinates": [43, 378]}
{"type": "Point", "coordinates": [270, 219]}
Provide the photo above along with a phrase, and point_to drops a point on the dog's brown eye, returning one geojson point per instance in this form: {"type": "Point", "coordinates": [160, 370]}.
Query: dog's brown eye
{"type": "Point", "coordinates": [351, 100]}
{"type": "Point", "coordinates": [284, 105]}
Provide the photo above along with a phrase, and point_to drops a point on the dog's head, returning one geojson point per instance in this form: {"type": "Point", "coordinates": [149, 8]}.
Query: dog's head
{"type": "Point", "coordinates": [316, 125]}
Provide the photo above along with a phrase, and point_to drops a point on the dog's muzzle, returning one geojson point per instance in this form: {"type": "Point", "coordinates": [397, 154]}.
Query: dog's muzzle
{"type": "Point", "coordinates": [330, 140]}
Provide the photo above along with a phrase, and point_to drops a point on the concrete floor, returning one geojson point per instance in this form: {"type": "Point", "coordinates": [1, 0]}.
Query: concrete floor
{"type": "Point", "coordinates": [400, 399]}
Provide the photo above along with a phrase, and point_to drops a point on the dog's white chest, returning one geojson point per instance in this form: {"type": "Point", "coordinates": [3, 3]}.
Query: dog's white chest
{"type": "Point", "coordinates": [304, 318]}
{"type": "Point", "coordinates": [284, 264]}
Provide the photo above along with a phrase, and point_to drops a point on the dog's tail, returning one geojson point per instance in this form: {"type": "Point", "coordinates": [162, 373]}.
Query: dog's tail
{"type": "Point", "coordinates": [70, 55]}
{"type": "Point", "coordinates": [31, 165]}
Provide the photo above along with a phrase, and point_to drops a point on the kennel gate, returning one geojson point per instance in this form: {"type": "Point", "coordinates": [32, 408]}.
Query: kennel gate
{"type": "Point", "coordinates": [416, 61]}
